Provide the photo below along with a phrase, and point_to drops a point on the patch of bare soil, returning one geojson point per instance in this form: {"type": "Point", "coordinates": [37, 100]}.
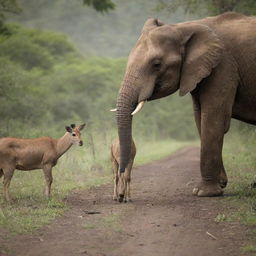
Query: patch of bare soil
{"type": "Point", "coordinates": [163, 219]}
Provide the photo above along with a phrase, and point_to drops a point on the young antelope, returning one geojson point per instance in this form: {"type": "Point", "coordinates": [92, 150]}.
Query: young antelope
{"type": "Point", "coordinates": [122, 190]}
{"type": "Point", "coordinates": [39, 153]}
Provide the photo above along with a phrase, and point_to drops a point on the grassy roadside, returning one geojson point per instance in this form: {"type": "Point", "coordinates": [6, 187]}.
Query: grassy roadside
{"type": "Point", "coordinates": [240, 162]}
{"type": "Point", "coordinates": [155, 150]}
{"type": "Point", "coordinates": [79, 168]}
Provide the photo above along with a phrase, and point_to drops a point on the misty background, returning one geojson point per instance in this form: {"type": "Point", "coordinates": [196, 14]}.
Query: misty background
{"type": "Point", "coordinates": [63, 62]}
{"type": "Point", "coordinates": [111, 34]}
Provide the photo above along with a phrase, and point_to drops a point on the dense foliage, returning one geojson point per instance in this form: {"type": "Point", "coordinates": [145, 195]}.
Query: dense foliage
{"type": "Point", "coordinates": [100, 5]}
{"type": "Point", "coordinates": [110, 35]}
{"type": "Point", "coordinates": [46, 84]}
{"type": "Point", "coordinates": [13, 7]}
{"type": "Point", "coordinates": [208, 7]}
{"type": "Point", "coordinates": [8, 6]}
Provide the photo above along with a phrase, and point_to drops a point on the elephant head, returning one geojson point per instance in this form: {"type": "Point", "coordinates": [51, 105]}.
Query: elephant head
{"type": "Point", "coordinates": [166, 58]}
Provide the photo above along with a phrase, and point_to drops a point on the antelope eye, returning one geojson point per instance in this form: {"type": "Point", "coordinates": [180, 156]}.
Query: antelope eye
{"type": "Point", "coordinates": [73, 134]}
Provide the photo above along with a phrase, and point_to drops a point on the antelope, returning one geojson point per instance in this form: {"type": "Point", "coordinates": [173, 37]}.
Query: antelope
{"type": "Point", "coordinates": [122, 190]}
{"type": "Point", "coordinates": [38, 153]}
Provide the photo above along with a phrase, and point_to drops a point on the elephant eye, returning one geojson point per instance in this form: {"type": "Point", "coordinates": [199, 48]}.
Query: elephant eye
{"type": "Point", "coordinates": [157, 64]}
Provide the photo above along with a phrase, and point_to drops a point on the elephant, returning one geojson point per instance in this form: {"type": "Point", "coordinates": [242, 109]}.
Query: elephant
{"type": "Point", "coordinates": [213, 59]}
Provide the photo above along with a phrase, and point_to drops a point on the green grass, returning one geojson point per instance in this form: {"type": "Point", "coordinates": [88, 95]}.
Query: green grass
{"type": "Point", "coordinates": [221, 217]}
{"type": "Point", "coordinates": [240, 161]}
{"type": "Point", "coordinates": [23, 218]}
{"type": "Point", "coordinates": [79, 168]}
{"type": "Point", "coordinates": [155, 150]}
{"type": "Point", "coordinates": [239, 156]}
{"type": "Point", "coordinates": [248, 248]}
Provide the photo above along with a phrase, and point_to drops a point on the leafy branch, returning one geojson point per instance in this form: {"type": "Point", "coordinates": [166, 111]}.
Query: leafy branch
{"type": "Point", "coordinates": [100, 5]}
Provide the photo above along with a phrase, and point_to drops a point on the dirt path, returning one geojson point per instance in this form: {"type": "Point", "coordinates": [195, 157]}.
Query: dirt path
{"type": "Point", "coordinates": [163, 219]}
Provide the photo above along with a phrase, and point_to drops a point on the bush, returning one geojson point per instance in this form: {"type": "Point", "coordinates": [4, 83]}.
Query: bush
{"type": "Point", "coordinates": [20, 49]}
{"type": "Point", "coordinates": [51, 85]}
{"type": "Point", "coordinates": [33, 48]}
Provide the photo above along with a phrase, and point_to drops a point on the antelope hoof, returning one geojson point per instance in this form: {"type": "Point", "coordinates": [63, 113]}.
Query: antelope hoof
{"type": "Point", "coordinates": [121, 198]}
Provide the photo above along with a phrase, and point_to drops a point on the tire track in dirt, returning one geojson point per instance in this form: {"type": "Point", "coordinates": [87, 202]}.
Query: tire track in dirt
{"type": "Point", "coordinates": [163, 219]}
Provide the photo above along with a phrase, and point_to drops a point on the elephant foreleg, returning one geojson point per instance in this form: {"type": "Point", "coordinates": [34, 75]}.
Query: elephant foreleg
{"type": "Point", "coordinates": [212, 169]}
{"type": "Point", "coordinates": [197, 114]}
{"type": "Point", "coordinates": [223, 179]}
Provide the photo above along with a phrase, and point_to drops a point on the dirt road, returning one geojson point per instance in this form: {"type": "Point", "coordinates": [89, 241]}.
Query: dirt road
{"type": "Point", "coordinates": [164, 219]}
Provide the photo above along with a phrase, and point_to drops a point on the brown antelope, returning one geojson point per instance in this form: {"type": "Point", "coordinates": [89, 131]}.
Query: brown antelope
{"type": "Point", "coordinates": [122, 190]}
{"type": "Point", "coordinates": [39, 153]}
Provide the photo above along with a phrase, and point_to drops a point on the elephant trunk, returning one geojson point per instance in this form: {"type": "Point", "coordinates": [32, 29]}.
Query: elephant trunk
{"type": "Point", "coordinates": [126, 103]}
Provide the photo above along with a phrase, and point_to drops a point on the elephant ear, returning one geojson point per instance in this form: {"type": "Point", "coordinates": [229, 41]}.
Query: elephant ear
{"type": "Point", "coordinates": [202, 53]}
{"type": "Point", "coordinates": [151, 23]}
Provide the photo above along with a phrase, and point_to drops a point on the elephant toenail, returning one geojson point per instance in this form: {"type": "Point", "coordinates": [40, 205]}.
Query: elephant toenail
{"type": "Point", "coordinates": [195, 191]}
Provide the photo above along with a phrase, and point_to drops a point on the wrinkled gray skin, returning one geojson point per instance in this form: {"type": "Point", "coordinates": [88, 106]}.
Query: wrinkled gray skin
{"type": "Point", "coordinates": [215, 60]}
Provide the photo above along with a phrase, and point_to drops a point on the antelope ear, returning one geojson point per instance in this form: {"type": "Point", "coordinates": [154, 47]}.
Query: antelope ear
{"type": "Point", "coordinates": [69, 129]}
{"type": "Point", "coordinates": [81, 127]}
{"type": "Point", "coordinates": [151, 23]}
{"type": "Point", "coordinates": [202, 53]}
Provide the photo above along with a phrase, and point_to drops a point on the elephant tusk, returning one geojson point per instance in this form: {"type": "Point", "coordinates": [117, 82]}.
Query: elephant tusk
{"type": "Point", "coordinates": [113, 109]}
{"type": "Point", "coordinates": [138, 108]}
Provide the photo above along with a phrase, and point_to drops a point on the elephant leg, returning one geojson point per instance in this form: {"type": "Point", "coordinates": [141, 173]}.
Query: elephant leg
{"type": "Point", "coordinates": [225, 117]}
{"type": "Point", "coordinates": [211, 165]}
{"type": "Point", "coordinates": [223, 179]}
{"type": "Point", "coordinates": [197, 114]}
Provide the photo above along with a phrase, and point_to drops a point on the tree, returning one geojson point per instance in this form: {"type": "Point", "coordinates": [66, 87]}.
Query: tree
{"type": "Point", "coordinates": [7, 6]}
{"type": "Point", "coordinates": [210, 7]}
{"type": "Point", "coordinates": [100, 5]}
{"type": "Point", "coordinates": [11, 6]}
